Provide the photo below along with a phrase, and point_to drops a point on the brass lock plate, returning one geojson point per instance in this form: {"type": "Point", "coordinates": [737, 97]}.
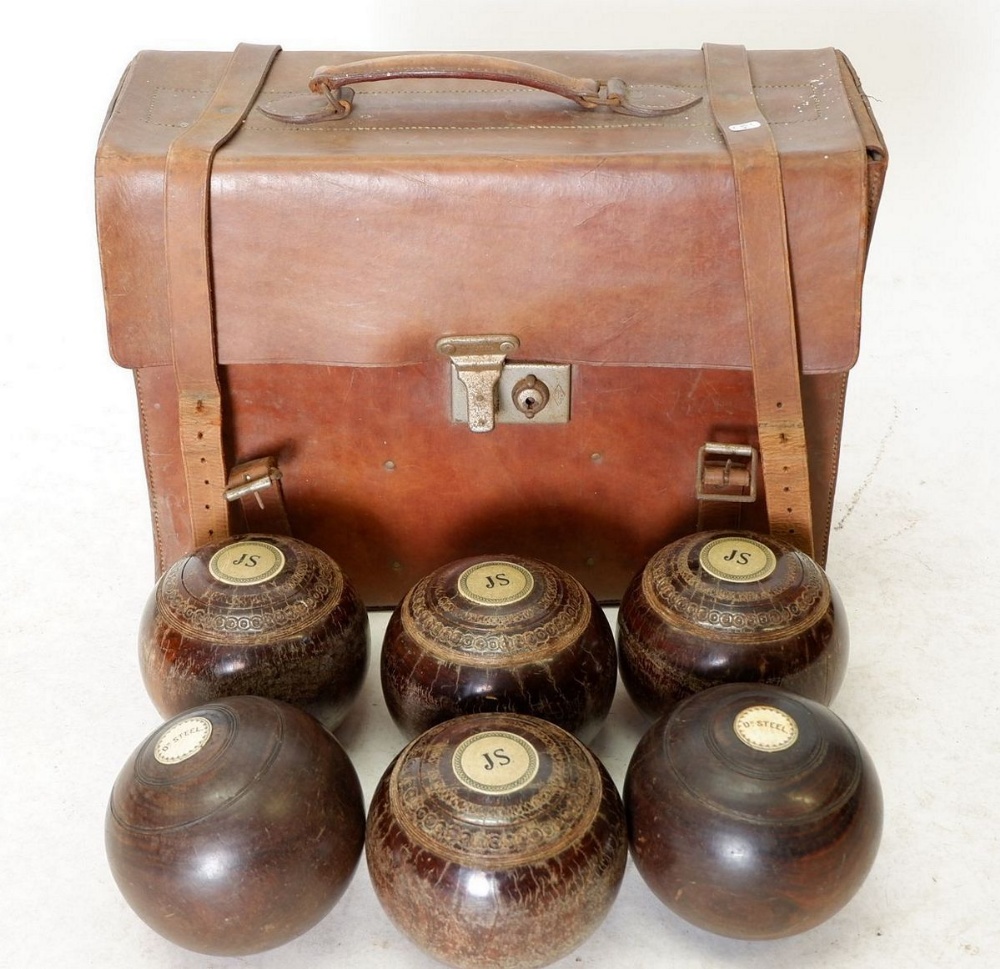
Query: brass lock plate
{"type": "Point", "coordinates": [513, 402]}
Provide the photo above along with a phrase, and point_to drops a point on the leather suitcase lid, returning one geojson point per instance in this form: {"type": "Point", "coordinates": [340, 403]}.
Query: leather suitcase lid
{"type": "Point", "coordinates": [463, 207]}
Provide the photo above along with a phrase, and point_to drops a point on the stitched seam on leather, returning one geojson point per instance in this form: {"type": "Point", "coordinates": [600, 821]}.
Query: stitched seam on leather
{"type": "Point", "coordinates": [317, 129]}
{"type": "Point", "coordinates": [668, 121]}
{"type": "Point", "coordinates": [154, 97]}
{"type": "Point", "coordinates": [326, 129]}
{"type": "Point", "coordinates": [827, 525]}
{"type": "Point", "coordinates": [524, 92]}
{"type": "Point", "coordinates": [154, 508]}
{"type": "Point", "coordinates": [505, 89]}
{"type": "Point", "coordinates": [383, 92]}
{"type": "Point", "coordinates": [389, 92]}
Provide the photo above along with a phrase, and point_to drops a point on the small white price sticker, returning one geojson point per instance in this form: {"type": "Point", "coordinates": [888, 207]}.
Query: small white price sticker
{"type": "Point", "coordinates": [766, 728]}
{"type": "Point", "coordinates": [182, 740]}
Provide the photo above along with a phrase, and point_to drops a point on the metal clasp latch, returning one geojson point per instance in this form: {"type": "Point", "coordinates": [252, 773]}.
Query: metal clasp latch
{"type": "Point", "coordinates": [727, 472]}
{"type": "Point", "coordinates": [478, 361]}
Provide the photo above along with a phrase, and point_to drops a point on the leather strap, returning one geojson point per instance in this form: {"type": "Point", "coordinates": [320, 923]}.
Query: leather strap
{"type": "Point", "coordinates": [192, 322]}
{"type": "Point", "coordinates": [770, 307]}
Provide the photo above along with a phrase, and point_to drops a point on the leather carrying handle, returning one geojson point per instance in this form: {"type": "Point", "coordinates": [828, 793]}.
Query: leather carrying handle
{"type": "Point", "coordinates": [336, 98]}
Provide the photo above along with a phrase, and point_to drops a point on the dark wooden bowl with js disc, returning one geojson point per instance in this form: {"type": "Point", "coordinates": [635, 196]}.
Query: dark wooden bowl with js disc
{"type": "Point", "coordinates": [496, 840]}
{"type": "Point", "coordinates": [236, 826]}
{"type": "Point", "coordinates": [723, 607]}
{"type": "Point", "coordinates": [499, 633]}
{"type": "Point", "coordinates": [753, 812]}
{"type": "Point", "coordinates": [260, 615]}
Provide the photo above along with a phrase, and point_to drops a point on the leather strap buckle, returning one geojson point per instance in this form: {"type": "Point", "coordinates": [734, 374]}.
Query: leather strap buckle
{"type": "Point", "coordinates": [727, 472]}
{"type": "Point", "coordinates": [255, 488]}
{"type": "Point", "coordinates": [251, 479]}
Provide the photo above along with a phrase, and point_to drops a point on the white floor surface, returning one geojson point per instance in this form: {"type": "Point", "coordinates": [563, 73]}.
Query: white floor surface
{"type": "Point", "coordinates": [915, 546]}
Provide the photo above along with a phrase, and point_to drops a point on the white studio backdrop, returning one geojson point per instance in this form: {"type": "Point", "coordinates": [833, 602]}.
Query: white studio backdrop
{"type": "Point", "coordinates": [914, 549]}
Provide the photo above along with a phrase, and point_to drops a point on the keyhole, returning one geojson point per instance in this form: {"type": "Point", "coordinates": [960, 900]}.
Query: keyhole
{"type": "Point", "coordinates": [530, 396]}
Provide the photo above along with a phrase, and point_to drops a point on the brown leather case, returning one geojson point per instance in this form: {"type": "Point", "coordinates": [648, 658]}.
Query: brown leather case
{"type": "Point", "coordinates": [682, 234]}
